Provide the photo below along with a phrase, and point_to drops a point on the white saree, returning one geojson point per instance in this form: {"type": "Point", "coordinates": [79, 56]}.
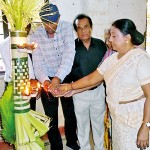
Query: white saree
{"type": "Point", "coordinates": [124, 78]}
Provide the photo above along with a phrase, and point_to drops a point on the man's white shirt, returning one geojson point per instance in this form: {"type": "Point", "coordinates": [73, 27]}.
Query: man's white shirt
{"type": "Point", "coordinates": [5, 50]}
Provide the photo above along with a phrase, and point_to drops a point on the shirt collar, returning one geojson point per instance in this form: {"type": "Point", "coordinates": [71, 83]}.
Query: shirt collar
{"type": "Point", "coordinates": [91, 43]}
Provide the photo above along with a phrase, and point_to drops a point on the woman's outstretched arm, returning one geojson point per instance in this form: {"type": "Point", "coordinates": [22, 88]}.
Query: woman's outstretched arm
{"type": "Point", "coordinates": [88, 81]}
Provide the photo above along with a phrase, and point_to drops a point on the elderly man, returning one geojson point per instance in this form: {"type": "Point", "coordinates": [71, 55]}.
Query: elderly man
{"type": "Point", "coordinates": [89, 105]}
{"type": "Point", "coordinates": [52, 62]}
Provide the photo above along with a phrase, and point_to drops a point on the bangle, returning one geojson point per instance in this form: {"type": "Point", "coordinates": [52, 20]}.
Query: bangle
{"type": "Point", "coordinates": [143, 122]}
{"type": "Point", "coordinates": [71, 86]}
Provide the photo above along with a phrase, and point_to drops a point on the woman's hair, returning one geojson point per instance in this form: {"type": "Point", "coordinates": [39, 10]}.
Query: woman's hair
{"type": "Point", "coordinates": [81, 16]}
{"type": "Point", "coordinates": [127, 26]}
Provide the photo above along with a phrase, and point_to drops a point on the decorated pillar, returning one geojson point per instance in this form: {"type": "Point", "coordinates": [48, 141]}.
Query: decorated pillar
{"type": "Point", "coordinates": [22, 127]}
{"type": "Point", "coordinates": [20, 72]}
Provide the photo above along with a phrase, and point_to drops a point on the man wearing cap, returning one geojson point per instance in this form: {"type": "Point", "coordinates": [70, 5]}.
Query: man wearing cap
{"type": "Point", "coordinates": [52, 62]}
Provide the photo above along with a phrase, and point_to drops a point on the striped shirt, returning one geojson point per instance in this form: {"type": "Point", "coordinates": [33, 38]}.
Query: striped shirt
{"type": "Point", "coordinates": [53, 56]}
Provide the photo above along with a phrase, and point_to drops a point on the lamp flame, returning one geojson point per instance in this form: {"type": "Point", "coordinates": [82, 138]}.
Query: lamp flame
{"type": "Point", "coordinates": [26, 92]}
{"type": "Point", "coordinates": [38, 85]}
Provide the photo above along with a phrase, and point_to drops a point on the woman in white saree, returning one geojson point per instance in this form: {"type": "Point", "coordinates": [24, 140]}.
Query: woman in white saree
{"type": "Point", "coordinates": [127, 77]}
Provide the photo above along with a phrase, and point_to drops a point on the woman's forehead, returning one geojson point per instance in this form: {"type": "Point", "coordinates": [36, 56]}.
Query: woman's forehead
{"type": "Point", "coordinates": [114, 30]}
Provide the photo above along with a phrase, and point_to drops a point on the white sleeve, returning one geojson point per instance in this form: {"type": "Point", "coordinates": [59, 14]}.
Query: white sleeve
{"type": "Point", "coordinates": [103, 67]}
{"type": "Point", "coordinates": [143, 70]}
{"type": "Point", "coordinates": [7, 58]}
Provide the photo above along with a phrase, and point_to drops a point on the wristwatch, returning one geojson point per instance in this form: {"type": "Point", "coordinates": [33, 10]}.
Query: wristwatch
{"type": "Point", "coordinates": [146, 123]}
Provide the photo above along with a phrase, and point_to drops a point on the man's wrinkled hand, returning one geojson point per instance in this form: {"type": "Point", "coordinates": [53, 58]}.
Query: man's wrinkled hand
{"type": "Point", "coordinates": [63, 89]}
{"type": "Point", "coordinates": [46, 85]}
{"type": "Point", "coordinates": [54, 84]}
{"type": "Point", "coordinates": [33, 85]}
